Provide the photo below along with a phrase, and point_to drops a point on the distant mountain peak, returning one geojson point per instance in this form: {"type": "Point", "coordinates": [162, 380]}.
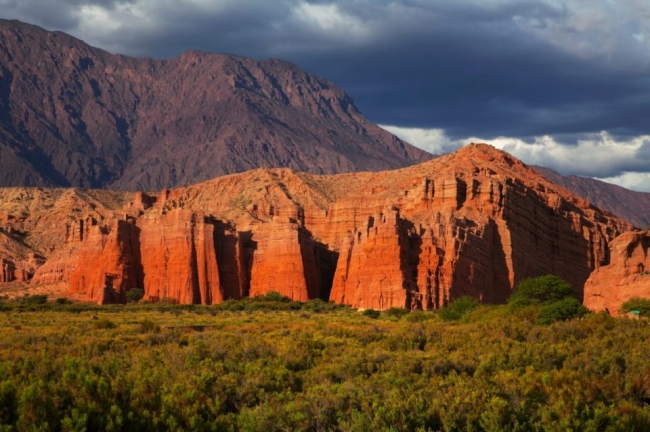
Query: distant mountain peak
{"type": "Point", "coordinates": [74, 115]}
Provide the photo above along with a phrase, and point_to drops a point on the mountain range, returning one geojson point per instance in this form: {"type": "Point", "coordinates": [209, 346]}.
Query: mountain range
{"type": "Point", "coordinates": [631, 205]}
{"type": "Point", "coordinates": [74, 115]}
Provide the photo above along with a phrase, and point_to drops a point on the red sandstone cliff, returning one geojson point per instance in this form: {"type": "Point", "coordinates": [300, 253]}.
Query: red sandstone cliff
{"type": "Point", "coordinates": [474, 222]}
{"type": "Point", "coordinates": [626, 276]}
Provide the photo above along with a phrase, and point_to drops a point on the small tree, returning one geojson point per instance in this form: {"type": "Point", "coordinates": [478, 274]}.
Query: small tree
{"type": "Point", "coordinates": [371, 313]}
{"type": "Point", "coordinates": [396, 312]}
{"type": "Point", "coordinates": [134, 295]}
{"type": "Point", "coordinates": [456, 309]}
{"type": "Point", "coordinates": [561, 310]}
{"type": "Point", "coordinates": [637, 303]}
{"type": "Point", "coordinates": [540, 290]}
{"type": "Point", "coordinates": [552, 295]}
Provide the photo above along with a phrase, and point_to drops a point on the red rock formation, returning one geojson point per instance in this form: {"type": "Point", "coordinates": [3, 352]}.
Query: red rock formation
{"type": "Point", "coordinates": [477, 223]}
{"type": "Point", "coordinates": [179, 257]}
{"type": "Point", "coordinates": [372, 261]}
{"type": "Point", "coordinates": [285, 261]}
{"type": "Point", "coordinates": [19, 270]}
{"type": "Point", "coordinates": [58, 268]}
{"type": "Point", "coordinates": [471, 223]}
{"type": "Point", "coordinates": [626, 276]}
{"type": "Point", "coordinates": [108, 263]}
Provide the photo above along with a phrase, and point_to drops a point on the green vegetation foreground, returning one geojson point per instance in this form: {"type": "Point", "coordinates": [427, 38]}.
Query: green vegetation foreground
{"type": "Point", "coordinates": [273, 366]}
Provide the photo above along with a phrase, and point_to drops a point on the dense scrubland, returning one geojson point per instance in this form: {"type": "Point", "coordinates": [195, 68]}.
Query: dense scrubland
{"type": "Point", "coordinates": [273, 365]}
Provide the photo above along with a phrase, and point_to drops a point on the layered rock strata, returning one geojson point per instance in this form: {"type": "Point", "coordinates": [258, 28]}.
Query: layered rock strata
{"type": "Point", "coordinates": [475, 223]}
{"type": "Point", "coordinates": [627, 275]}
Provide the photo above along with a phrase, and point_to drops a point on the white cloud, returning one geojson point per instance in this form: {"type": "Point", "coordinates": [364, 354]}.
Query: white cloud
{"type": "Point", "coordinates": [634, 181]}
{"type": "Point", "coordinates": [432, 140]}
{"type": "Point", "coordinates": [331, 19]}
{"type": "Point", "coordinates": [621, 162]}
{"type": "Point", "coordinates": [591, 29]}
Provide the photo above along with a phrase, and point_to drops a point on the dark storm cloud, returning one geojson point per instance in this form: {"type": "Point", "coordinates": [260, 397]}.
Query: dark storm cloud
{"type": "Point", "coordinates": [472, 68]}
{"type": "Point", "coordinates": [482, 68]}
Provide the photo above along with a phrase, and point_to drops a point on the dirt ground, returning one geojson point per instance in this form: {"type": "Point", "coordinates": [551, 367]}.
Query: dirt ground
{"type": "Point", "coordinates": [20, 289]}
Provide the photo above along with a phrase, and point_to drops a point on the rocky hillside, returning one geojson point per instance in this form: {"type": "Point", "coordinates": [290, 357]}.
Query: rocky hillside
{"type": "Point", "coordinates": [474, 222]}
{"type": "Point", "coordinates": [74, 115]}
{"type": "Point", "coordinates": [630, 205]}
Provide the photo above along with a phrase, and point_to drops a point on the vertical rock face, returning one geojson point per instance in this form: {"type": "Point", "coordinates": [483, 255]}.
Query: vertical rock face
{"type": "Point", "coordinates": [391, 263]}
{"type": "Point", "coordinates": [626, 276]}
{"type": "Point", "coordinates": [475, 227]}
{"type": "Point", "coordinates": [288, 260]}
{"type": "Point", "coordinates": [108, 262]}
{"type": "Point", "coordinates": [179, 258]}
{"type": "Point", "coordinates": [58, 268]}
{"type": "Point", "coordinates": [21, 271]}
{"type": "Point", "coordinates": [279, 263]}
{"type": "Point", "coordinates": [374, 265]}
{"type": "Point", "coordinates": [475, 223]}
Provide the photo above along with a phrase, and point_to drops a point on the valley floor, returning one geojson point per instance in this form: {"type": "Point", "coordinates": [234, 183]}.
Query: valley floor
{"type": "Point", "coordinates": [271, 365]}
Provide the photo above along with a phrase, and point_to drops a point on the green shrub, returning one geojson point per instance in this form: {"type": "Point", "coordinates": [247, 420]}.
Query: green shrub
{"type": "Point", "coordinates": [637, 303]}
{"type": "Point", "coordinates": [134, 295]}
{"type": "Point", "coordinates": [148, 326]}
{"type": "Point", "coordinates": [34, 299]}
{"type": "Point", "coordinates": [420, 316]}
{"type": "Point", "coordinates": [104, 323]}
{"type": "Point", "coordinates": [561, 310]}
{"type": "Point", "coordinates": [540, 290]}
{"type": "Point", "coordinates": [62, 301]}
{"type": "Point", "coordinates": [371, 313]}
{"type": "Point", "coordinates": [276, 297]}
{"type": "Point", "coordinates": [552, 296]}
{"type": "Point", "coordinates": [396, 312]}
{"type": "Point", "coordinates": [456, 309]}
{"type": "Point", "coordinates": [316, 305]}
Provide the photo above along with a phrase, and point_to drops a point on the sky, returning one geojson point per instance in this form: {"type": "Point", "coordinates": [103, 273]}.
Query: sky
{"type": "Point", "coordinates": [559, 83]}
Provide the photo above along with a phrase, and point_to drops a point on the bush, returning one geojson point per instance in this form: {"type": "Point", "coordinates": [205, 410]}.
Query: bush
{"type": "Point", "coordinates": [456, 309]}
{"type": "Point", "coordinates": [540, 290]}
{"type": "Point", "coordinates": [105, 323]}
{"type": "Point", "coordinates": [275, 296]}
{"type": "Point", "coordinates": [316, 305]}
{"type": "Point", "coordinates": [420, 316]}
{"type": "Point", "coordinates": [396, 312]}
{"type": "Point", "coordinates": [637, 303]}
{"type": "Point", "coordinates": [552, 296]}
{"type": "Point", "coordinates": [134, 295]}
{"type": "Point", "coordinates": [562, 310]}
{"type": "Point", "coordinates": [371, 313]}
{"type": "Point", "coordinates": [148, 326]}
{"type": "Point", "coordinates": [62, 301]}
{"type": "Point", "coordinates": [35, 299]}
